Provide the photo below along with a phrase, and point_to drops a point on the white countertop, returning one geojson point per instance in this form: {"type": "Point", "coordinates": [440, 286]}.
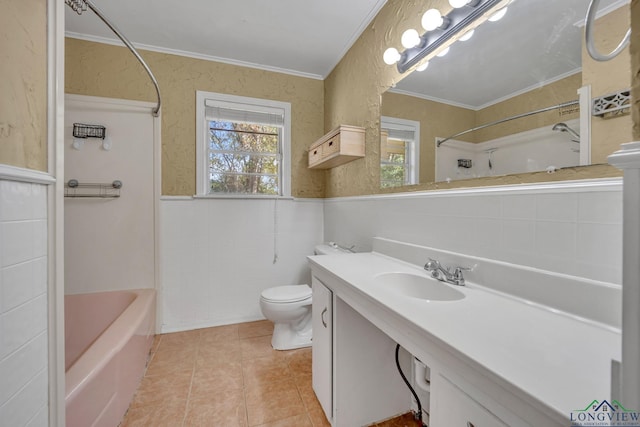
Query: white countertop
{"type": "Point", "coordinates": [561, 361]}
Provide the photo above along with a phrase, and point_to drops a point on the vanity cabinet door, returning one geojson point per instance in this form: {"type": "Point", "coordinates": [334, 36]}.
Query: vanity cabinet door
{"type": "Point", "coordinates": [452, 407]}
{"type": "Point", "coordinates": [322, 348]}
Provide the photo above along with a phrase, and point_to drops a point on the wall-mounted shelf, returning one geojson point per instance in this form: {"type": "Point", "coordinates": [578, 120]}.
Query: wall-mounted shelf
{"type": "Point", "coordinates": [73, 188]}
{"type": "Point", "coordinates": [615, 103]}
{"type": "Point", "coordinates": [343, 144]}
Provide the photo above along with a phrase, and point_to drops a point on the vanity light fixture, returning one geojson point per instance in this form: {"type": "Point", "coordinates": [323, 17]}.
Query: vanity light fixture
{"type": "Point", "coordinates": [410, 38]}
{"type": "Point", "coordinates": [498, 15]}
{"type": "Point", "coordinates": [391, 56]}
{"type": "Point", "coordinates": [433, 19]}
{"type": "Point", "coordinates": [466, 36]}
{"type": "Point", "coordinates": [461, 3]}
{"type": "Point", "coordinates": [443, 52]}
{"type": "Point", "coordinates": [442, 31]}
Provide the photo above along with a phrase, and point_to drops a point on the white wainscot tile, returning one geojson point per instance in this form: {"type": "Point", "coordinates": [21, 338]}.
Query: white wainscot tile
{"type": "Point", "coordinates": [19, 368]}
{"type": "Point", "coordinates": [460, 234]}
{"type": "Point", "coordinates": [518, 235]}
{"type": "Point", "coordinates": [27, 403]}
{"type": "Point", "coordinates": [41, 419]}
{"type": "Point", "coordinates": [17, 283]}
{"type": "Point", "coordinates": [518, 206]}
{"type": "Point", "coordinates": [39, 201]}
{"type": "Point", "coordinates": [604, 207]}
{"type": "Point", "coordinates": [17, 242]}
{"type": "Point", "coordinates": [22, 324]}
{"type": "Point", "coordinates": [487, 238]}
{"type": "Point", "coordinates": [15, 201]}
{"type": "Point", "coordinates": [485, 206]}
{"type": "Point", "coordinates": [556, 239]}
{"type": "Point", "coordinates": [557, 207]}
{"type": "Point", "coordinates": [601, 244]}
{"type": "Point", "coordinates": [39, 238]}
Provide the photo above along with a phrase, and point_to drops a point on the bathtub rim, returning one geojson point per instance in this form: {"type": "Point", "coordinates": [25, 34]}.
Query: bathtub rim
{"type": "Point", "coordinates": [84, 368]}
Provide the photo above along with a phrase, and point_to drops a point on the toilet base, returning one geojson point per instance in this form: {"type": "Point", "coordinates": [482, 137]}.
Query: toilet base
{"type": "Point", "coordinates": [285, 337]}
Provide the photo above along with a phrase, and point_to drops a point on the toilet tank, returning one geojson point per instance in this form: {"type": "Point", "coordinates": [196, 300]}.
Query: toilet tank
{"type": "Point", "coordinates": [330, 248]}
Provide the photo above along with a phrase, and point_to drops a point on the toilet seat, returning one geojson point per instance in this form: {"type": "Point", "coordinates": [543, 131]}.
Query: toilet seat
{"type": "Point", "coordinates": [287, 294]}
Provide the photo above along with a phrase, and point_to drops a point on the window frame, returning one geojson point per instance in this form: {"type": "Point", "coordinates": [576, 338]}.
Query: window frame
{"type": "Point", "coordinates": [202, 142]}
{"type": "Point", "coordinates": [412, 156]}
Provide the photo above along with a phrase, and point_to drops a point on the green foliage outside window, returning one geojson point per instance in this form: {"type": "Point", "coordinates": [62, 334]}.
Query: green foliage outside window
{"type": "Point", "coordinates": [244, 158]}
{"type": "Point", "coordinates": [392, 171]}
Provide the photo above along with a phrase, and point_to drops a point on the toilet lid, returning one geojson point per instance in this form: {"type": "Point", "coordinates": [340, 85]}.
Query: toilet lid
{"type": "Point", "coordinates": [291, 293]}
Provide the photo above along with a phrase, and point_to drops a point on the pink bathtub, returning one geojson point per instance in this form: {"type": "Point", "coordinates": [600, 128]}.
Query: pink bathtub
{"type": "Point", "coordinates": [108, 336]}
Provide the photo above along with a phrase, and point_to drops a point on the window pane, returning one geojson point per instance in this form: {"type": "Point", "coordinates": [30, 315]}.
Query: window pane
{"type": "Point", "coordinates": [391, 175]}
{"type": "Point", "coordinates": [243, 163]}
{"type": "Point", "coordinates": [243, 184]}
{"type": "Point", "coordinates": [244, 137]}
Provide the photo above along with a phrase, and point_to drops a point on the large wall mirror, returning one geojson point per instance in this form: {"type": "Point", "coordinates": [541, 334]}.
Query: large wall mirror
{"type": "Point", "coordinates": [532, 59]}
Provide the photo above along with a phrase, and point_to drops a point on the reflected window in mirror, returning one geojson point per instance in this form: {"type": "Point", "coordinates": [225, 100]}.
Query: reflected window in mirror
{"type": "Point", "coordinates": [399, 152]}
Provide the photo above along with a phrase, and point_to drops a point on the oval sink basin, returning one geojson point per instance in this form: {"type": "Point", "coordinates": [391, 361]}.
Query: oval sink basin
{"type": "Point", "coordinates": [412, 285]}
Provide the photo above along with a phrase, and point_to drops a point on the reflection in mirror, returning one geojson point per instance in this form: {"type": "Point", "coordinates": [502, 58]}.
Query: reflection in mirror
{"type": "Point", "coordinates": [399, 152]}
{"type": "Point", "coordinates": [528, 61]}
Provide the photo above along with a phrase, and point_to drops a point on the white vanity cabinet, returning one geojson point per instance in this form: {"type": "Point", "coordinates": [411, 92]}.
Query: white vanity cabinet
{"type": "Point", "coordinates": [322, 348]}
{"type": "Point", "coordinates": [353, 364]}
{"type": "Point", "coordinates": [356, 353]}
{"type": "Point", "coordinates": [451, 406]}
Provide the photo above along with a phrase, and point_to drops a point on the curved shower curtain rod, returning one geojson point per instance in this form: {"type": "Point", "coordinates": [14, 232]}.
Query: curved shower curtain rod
{"type": "Point", "coordinates": [81, 5]}
{"type": "Point", "coordinates": [507, 119]}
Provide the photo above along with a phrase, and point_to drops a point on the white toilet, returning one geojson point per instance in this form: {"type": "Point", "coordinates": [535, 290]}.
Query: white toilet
{"type": "Point", "coordinates": [289, 308]}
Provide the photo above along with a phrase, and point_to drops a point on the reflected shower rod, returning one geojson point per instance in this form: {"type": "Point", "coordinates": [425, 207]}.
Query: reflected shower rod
{"type": "Point", "coordinates": [507, 119]}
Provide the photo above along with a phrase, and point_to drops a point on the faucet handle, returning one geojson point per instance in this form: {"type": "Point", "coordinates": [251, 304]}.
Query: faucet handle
{"type": "Point", "coordinates": [431, 265]}
{"type": "Point", "coordinates": [458, 277]}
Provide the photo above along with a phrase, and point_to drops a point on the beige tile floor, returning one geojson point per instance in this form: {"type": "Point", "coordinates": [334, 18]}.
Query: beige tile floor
{"type": "Point", "coordinates": [225, 376]}
{"type": "Point", "coordinates": [228, 376]}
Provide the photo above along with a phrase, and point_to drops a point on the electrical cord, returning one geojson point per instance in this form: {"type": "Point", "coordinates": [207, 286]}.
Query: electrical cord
{"type": "Point", "coordinates": [415, 396]}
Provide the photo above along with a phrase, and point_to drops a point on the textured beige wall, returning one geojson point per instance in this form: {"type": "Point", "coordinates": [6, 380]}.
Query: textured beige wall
{"type": "Point", "coordinates": [112, 71]}
{"type": "Point", "coordinates": [606, 77]}
{"type": "Point", "coordinates": [23, 84]}
{"type": "Point", "coordinates": [354, 88]}
{"type": "Point", "coordinates": [353, 91]}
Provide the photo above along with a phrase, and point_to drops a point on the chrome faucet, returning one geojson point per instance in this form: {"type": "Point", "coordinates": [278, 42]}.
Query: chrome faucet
{"type": "Point", "coordinates": [445, 274]}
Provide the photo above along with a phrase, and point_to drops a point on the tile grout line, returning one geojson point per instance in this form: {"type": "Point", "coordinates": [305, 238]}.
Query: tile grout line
{"type": "Point", "coordinates": [193, 374]}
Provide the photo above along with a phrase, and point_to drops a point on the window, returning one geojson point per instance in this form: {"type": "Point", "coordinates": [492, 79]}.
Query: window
{"type": "Point", "coordinates": [242, 146]}
{"type": "Point", "coordinates": [399, 152]}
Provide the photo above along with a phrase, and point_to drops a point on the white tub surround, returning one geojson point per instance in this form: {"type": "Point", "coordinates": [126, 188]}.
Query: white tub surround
{"type": "Point", "coordinates": [124, 226]}
{"type": "Point", "coordinates": [492, 355]}
{"type": "Point", "coordinates": [628, 159]}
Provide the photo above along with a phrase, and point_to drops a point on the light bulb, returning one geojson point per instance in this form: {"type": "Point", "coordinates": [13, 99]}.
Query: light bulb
{"type": "Point", "coordinates": [498, 15]}
{"type": "Point", "coordinates": [467, 36]}
{"type": "Point", "coordinates": [444, 52]}
{"type": "Point", "coordinates": [78, 143]}
{"type": "Point", "coordinates": [432, 19]}
{"type": "Point", "coordinates": [410, 38]}
{"type": "Point", "coordinates": [423, 66]}
{"type": "Point", "coordinates": [458, 3]}
{"type": "Point", "coordinates": [391, 56]}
